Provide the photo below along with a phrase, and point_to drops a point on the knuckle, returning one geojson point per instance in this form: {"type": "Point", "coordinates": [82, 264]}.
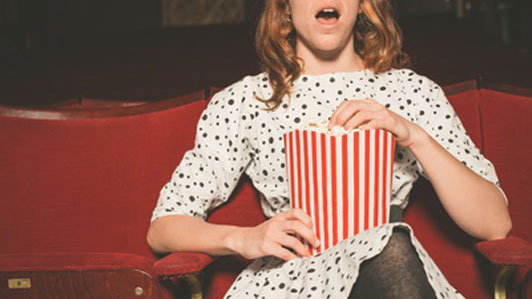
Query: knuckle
{"type": "Point", "coordinates": [292, 242]}
{"type": "Point", "coordinates": [302, 248]}
{"type": "Point", "coordinates": [263, 246]}
{"type": "Point", "coordinates": [272, 225]}
{"type": "Point", "coordinates": [268, 235]}
{"type": "Point", "coordinates": [363, 114]}
{"type": "Point", "coordinates": [292, 225]}
{"type": "Point", "coordinates": [342, 117]}
{"type": "Point", "coordinates": [298, 226]}
{"type": "Point", "coordinates": [285, 256]}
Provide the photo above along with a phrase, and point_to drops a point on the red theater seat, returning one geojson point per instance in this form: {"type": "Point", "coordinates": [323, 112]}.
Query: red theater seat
{"type": "Point", "coordinates": [78, 187]}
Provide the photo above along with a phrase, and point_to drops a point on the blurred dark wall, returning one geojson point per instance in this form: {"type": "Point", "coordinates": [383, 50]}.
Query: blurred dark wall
{"type": "Point", "coordinates": [89, 16]}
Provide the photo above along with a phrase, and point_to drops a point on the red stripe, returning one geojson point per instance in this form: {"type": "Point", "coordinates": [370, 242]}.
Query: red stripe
{"type": "Point", "coordinates": [366, 181]}
{"type": "Point", "coordinates": [377, 171]}
{"type": "Point", "coordinates": [298, 151]}
{"type": "Point", "coordinates": [385, 177]}
{"type": "Point", "coordinates": [314, 146]}
{"type": "Point", "coordinates": [356, 182]}
{"type": "Point", "coordinates": [292, 188]}
{"type": "Point", "coordinates": [345, 198]}
{"type": "Point", "coordinates": [334, 197]}
{"type": "Point", "coordinates": [392, 154]}
{"type": "Point", "coordinates": [307, 180]}
{"type": "Point", "coordinates": [324, 193]}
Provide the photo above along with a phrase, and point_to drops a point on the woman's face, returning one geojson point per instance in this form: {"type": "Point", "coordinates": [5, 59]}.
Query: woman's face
{"type": "Point", "coordinates": [324, 25]}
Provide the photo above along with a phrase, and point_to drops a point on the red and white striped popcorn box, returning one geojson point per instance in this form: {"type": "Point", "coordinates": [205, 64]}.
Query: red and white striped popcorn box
{"type": "Point", "coordinates": [343, 182]}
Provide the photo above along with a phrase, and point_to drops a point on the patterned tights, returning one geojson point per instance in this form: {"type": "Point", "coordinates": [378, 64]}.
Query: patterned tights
{"type": "Point", "coordinates": [396, 272]}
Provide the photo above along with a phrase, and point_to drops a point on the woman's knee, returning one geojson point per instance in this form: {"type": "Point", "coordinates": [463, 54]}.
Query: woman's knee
{"type": "Point", "coordinates": [399, 244]}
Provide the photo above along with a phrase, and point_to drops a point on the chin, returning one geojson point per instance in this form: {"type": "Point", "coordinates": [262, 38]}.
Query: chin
{"type": "Point", "coordinates": [328, 45]}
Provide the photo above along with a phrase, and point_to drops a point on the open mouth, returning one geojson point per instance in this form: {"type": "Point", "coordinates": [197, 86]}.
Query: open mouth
{"type": "Point", "coordinates": [328, 15]}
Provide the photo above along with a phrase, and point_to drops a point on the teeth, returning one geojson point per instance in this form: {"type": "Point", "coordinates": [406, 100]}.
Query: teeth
{"type": "Point", "coordinates": [328, 10]}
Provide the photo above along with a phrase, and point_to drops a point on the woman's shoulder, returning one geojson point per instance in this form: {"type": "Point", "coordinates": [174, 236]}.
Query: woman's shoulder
{"type": "Point", "coordinates": [240, 97]}
{"type": "Point", "coordinates": [245, 91]}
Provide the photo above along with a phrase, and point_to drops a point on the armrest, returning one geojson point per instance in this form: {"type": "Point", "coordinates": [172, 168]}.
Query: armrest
{"type": "Point", "coordinates": [508, 251]}
{"type": "Point", "coordinates": [181, 263]}
{"type": "Point", "coordinates": [74, 261]}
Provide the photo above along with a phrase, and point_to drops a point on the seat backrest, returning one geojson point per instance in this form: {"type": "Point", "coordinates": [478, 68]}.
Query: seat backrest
{"type": "Point", "coordinates": [506, 118]}
{"type": "Point", "coordinates": [494, 120]}
{"type": "Point", "coordinates": [87, 180]}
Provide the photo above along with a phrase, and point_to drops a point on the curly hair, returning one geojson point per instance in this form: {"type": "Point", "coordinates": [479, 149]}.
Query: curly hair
{"type": "Point", "coordinates": [378, 41]}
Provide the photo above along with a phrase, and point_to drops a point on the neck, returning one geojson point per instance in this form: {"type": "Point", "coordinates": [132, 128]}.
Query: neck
{"type": "Point", "coordinates": [320, 62]}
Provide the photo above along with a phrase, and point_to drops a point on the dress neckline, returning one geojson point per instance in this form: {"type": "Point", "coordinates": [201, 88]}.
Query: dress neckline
{"type": "Point", "coordinates": [335, 75]}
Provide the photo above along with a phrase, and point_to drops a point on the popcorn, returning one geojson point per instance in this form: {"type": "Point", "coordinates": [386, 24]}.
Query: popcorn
{"type": "Point", "coordinates": [322, 127]}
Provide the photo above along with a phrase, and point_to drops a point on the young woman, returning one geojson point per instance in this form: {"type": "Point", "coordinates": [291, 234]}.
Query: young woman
{"type": "Point", "coordinates": [341, 61]}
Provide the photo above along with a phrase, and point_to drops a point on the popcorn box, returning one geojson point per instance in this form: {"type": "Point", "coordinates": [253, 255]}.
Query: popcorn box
{"type": "Point", "coordinates": [343, 182]}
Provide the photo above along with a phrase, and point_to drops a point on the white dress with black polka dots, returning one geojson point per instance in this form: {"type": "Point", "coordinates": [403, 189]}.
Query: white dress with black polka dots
{"type": "Point", "coordinates": [235, 135]}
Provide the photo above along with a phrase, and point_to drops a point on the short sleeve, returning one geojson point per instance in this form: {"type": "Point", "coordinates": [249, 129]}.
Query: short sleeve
{"type": "Point", "coordinates": [438, 118]}
{"type": "Point", "coordinates": [209, 172]}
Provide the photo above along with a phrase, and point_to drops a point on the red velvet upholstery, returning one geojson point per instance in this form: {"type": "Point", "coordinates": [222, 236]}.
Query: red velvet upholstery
{"type": "Point", "coordinates": [181, 263]}
{"type": "Point", "coordinates": [86, 185]}
{"type": "Point", "coordinates": [61, 261]}
{"type": "Point", "coordinates": [508, 251]}
{"type": "Point", "coordinates": [506, 123]}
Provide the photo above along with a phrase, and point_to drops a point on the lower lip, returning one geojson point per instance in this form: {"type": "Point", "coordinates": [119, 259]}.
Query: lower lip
{"type": "Point", "coordinates": [330, 21]}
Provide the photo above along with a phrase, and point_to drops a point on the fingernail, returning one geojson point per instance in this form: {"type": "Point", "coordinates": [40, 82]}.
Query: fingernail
{"type": "Point", "coordinates": [317, 244]}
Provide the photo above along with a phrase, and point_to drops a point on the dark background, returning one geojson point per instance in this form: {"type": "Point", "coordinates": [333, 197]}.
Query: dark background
{"type": "Point", "coordinates": [58, 49]}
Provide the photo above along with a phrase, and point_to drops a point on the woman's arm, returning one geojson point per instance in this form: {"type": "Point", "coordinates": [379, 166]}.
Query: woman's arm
{"type": "Point", "coordinates": [186, 233]}
{"type": "Point", "coordinates": [474, 203]}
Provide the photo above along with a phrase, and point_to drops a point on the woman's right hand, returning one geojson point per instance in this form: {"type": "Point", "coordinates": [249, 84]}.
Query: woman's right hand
{"type": "Point", "coordinates": [269, 237]}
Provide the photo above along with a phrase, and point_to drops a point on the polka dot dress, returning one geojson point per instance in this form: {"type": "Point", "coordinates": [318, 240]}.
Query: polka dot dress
{"type": "Point", "coordinates": [236, 135]}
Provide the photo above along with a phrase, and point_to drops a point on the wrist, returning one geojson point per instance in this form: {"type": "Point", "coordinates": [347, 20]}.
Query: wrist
{"type": "Point", "coordinates": [419, 137]}
{"type": "Point", "coordinates": [233, 239]}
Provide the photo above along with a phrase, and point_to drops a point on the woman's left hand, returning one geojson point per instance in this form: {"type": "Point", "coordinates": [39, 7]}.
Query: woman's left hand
{"type": "Point", "coordinates": [369, 114]}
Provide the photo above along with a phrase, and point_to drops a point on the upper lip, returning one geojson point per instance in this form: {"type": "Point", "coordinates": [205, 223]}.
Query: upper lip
{"type": "Point", "coordinates": [324, 6]}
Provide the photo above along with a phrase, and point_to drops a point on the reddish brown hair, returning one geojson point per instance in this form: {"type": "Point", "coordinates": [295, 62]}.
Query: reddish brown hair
{"type": "Point", "coordinates": [378, 41]}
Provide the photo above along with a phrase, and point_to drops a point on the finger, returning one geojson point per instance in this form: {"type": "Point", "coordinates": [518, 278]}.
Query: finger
{"type": "Point", "coordinates": [338, 109]}
{"type": "Point", "coordinates": [360, 118]}
{"type": "Point", "coordinates": [343, 111]}
{"type": "Point", "coordinates": [282, 253]}
{"type": "Point", "coordinates": [354, 108]}
{"type": "Point", "coordinates": [348, 112]}
{"type": "Point", "coordinates": [294, 243]}
{"type": "Point", "coordinates": [373, 124]}
{"type": "Point", "coordinates": [296, 214]}
{"type": "Point", "coordinates": [302, 230]}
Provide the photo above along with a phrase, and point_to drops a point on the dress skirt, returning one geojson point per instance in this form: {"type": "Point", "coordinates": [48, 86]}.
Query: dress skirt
{"type": "Point", "coordinates": [330, 274]}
